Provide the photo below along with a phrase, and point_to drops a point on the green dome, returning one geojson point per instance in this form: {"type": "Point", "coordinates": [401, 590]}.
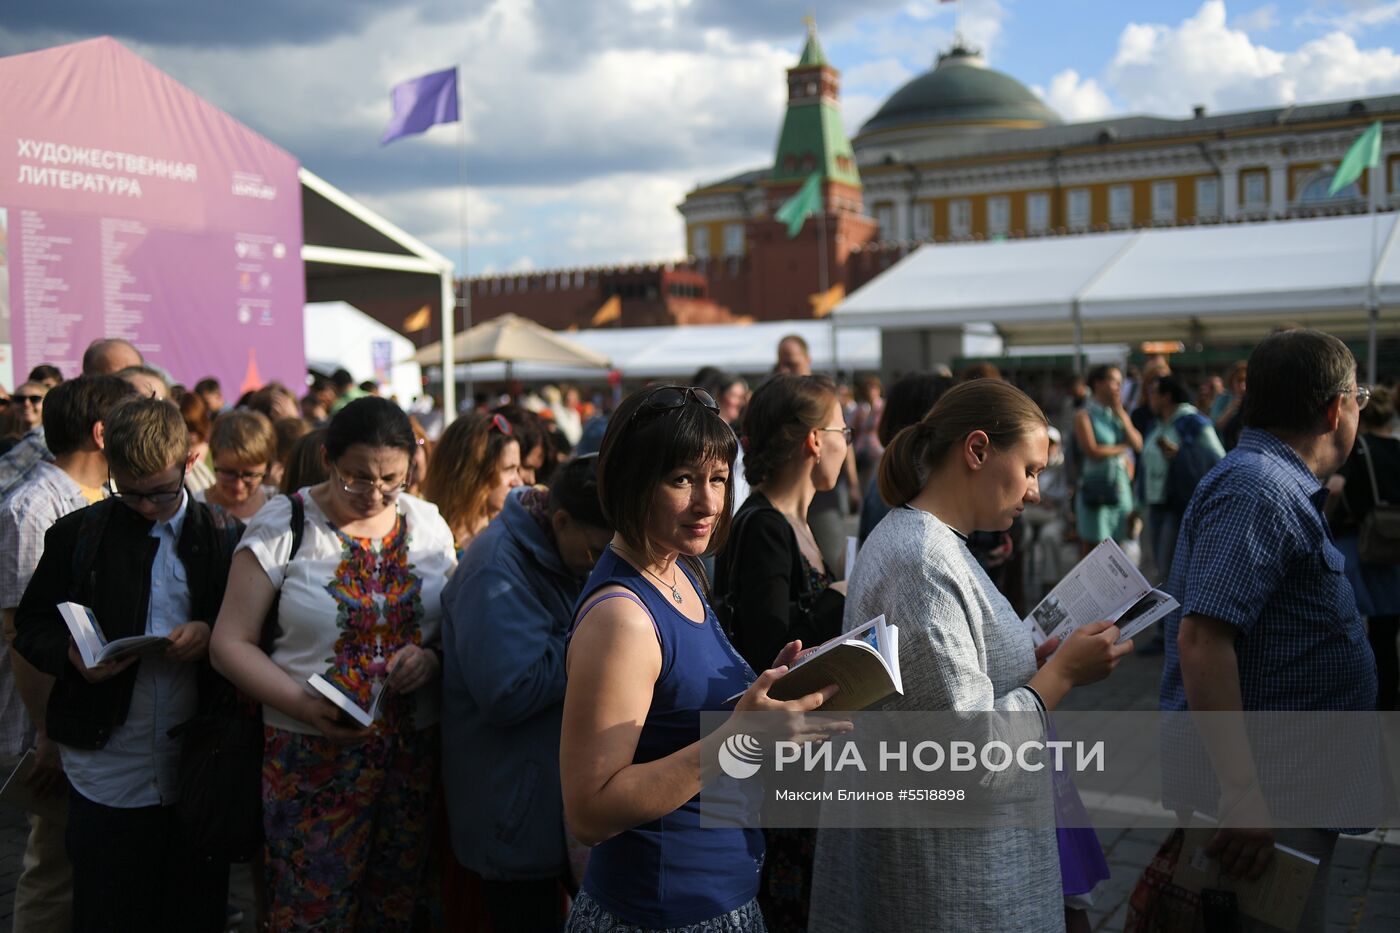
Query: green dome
{"type": "Point", "coordinates": [961, 89]}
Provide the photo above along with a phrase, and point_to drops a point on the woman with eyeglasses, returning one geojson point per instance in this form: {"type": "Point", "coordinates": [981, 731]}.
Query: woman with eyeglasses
{"type": "Point", "coordinates": [358, 601]}
{"type": "Point", "coordinates": [772, 582]}
{"type": "Point", "coordinates": [645, 658]}
{"type": "Point", "coordinates": [475, 465]}
{"type": "Point", "coordinates": [242, 446]}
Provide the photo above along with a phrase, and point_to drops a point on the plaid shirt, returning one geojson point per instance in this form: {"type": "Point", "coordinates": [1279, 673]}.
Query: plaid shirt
{"type": "Point", "coordinates": [20, 459]}
{"type": "Point", "coordinates": [46, 495]}
{"type": "Point", "coordinates": [1256, 552]}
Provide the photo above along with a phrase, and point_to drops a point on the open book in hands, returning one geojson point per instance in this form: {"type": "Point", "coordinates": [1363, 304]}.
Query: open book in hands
{"type": "Point", "coordinates": [863, 663]}
{"type": "Point", "coordinates": [96, 649]}
{"type": "Point", "coordinates": [1104, 585]}
{"type": "Point", "coordinates": [347, 704]}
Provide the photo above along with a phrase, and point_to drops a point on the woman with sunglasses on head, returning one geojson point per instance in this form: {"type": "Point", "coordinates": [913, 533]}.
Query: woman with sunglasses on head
{"type": "Point", "coordinates": [345, 808]}
{"type": "Point", "coordinates": [971, 464]}
{"type": "Point", "coordinates": [646, 657]}
{"type": "Point", "coordinates": [242, 448]}
{"type": "Point", "coordinates": [772, 581]}
{"type": "Point", "coordinates": [475, 465]}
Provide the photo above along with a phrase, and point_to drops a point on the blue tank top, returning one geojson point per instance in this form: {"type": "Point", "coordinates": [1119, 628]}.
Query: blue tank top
{"type": "Point", "coordinates": [672, 871]}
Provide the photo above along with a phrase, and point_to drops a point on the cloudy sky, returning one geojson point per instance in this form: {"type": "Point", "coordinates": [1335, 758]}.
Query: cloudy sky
{"type": "Point", "coordinates": [586, 121]}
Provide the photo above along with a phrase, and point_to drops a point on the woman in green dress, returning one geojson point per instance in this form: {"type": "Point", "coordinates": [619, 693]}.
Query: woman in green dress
{"type": "Point", "coordinates": [1105, 435]}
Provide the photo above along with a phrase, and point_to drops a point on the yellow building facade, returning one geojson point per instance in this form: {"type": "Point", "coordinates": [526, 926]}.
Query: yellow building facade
{"type": "Point", "coordinates": [966, 152]}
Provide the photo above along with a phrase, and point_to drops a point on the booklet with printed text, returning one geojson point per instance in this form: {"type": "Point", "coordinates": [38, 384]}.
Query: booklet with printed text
{"type": "Point", "coordinates": [1104, 585]}
{"type": "Point", "coordinates": [347, 704]}
{"type": "Point", "coordinates": [864, 663]}
{"type": "Point", "coordinates": [93, 647]}
{"type": "Point", "coordinates": [1277, 897]}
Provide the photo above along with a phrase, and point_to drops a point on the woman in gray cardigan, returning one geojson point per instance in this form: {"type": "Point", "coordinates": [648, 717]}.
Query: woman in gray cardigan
{"type": "Point", "coordinates": [970, 465]}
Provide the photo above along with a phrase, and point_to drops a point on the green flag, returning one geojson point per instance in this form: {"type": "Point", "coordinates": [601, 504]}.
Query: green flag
{"type": "Point", "coordinates": [803, 204]}
{"type": "Point", "coordinates": [1364, 153]}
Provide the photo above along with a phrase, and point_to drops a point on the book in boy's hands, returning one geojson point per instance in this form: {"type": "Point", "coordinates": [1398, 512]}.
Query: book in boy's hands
{"type": "Point", "coordinates": [863, 663]}
{"type": "Point", "coordinates": [93, 647]}
{"type": "Point", "coordinates": [346, 703]}
{"type": "Point", "coordinates": [1276, 897]}
{"type": "Point", "coordinates": [1104, 585]}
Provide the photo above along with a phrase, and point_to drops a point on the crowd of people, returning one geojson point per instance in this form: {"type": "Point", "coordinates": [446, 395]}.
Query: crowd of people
{"type": "Point", "coordinates": [532, 606]}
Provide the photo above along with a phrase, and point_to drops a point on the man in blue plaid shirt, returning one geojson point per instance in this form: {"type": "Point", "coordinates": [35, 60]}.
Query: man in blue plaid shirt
{"type": "Point", "coordinates": [1268, 620]}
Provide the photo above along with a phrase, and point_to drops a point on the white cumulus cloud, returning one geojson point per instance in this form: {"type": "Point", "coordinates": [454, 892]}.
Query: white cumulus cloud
{"type": "Point", "coordinates": [1074, 98]}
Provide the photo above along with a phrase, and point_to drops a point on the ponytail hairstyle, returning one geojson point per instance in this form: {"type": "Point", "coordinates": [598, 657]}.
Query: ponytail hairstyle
{"type": "Point", "coordinates": [783, 411]}
{"type": "Point", "coordinates": [1000, 409]}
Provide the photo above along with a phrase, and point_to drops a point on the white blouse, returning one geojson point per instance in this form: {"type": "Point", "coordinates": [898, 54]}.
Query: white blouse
{"type": "Point", "coordinates": [347, 604]}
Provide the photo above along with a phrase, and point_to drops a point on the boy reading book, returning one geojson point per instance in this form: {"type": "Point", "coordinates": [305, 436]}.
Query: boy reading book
{"type": "Point", "coordinates": [146, 561]}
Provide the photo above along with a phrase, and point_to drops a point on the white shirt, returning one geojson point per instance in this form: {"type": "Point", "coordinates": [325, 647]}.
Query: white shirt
{"type": "Point", "coordinates": [329, 621]}
{"type": "Point", "coordinates": [138, 766]}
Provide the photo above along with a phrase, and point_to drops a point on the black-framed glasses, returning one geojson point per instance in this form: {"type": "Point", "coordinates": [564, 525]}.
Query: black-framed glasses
{"type": "Point", "coordinates": [35, 400]}
{"type": "Point", "coordinates": [363, 487]}
{"type": "Point", "coordinates": [846, 432]}
{"type": "Point", "coordinates": [251, 477]}
{"type": "Point", "coordinates": [157, 498]}
{"type": "Point", "coordinates": [668, 398]}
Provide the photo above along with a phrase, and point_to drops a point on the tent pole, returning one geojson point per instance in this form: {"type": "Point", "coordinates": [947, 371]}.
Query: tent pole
{"type": "Point", "coordinates": [1371, 325]}
{"type": "Point", "coordinates": [462, 234]}
{"type": "Point", "coordinates": [1078, 337]}
{"type": "Point", "coordinates": [449, 374]}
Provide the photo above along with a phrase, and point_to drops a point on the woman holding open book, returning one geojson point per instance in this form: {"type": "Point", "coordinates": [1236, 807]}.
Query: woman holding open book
{"type": "Point", "coordinates": [970, 465]}
{"type": "Point", "coordinates": [646, 657]}
{"type": "Point", "coordinates": [344, 580]}
{"type": "Point", "coordinates": [772, 583]}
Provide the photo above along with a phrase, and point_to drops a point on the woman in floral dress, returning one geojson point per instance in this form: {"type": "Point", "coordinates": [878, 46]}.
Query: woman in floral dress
{"type": "Point", "coordinates": [345, 808]}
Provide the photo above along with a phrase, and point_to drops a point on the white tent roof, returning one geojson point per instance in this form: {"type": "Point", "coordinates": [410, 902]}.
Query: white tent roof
{"type": "Point", "coordinates": [341, 335]}
{"type": "Point", "coordinates": [677, 352]}
{"type": "Point", "coordinates": [963, 283]}
{"type": "Point", "coordinates": [1228, 282]}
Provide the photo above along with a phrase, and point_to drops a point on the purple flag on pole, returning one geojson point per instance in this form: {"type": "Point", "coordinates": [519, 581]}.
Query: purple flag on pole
{"type": "Point", "coordinates": [422, 102]}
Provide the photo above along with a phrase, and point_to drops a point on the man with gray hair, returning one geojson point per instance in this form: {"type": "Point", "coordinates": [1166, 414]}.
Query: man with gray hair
{"type": "Point", "coordinates": [1268, 621]}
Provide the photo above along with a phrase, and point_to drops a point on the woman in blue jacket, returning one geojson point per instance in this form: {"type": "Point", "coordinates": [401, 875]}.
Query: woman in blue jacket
{"type": "Point", "coordinates": [505, 615]}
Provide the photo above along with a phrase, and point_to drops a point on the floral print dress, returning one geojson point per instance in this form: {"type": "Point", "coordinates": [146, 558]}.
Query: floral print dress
{"type": "Point", "coordinates": [347, 827]}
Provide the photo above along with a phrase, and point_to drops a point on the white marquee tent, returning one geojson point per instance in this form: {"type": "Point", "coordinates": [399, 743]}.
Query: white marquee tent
{"type": "Point", "coordinates": [339, 335]}
{"type": "Point", "coordinates": [1226, 282]}
{"type": "Point", "coordinates": [677, 352]}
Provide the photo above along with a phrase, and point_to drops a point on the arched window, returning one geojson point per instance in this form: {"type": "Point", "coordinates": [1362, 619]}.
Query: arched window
{"type": "Point", "coordinates": [1315, 191]}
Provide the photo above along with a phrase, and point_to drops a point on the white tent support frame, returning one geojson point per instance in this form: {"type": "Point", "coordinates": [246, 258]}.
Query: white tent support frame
{"type": "Point", "coordinates": [426, 260]}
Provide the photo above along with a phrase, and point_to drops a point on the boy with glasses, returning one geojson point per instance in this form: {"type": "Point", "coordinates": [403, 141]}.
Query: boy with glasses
{"type": "Point", "coordinates": [73, 416]}
{"type": "Point", "coordinates": [146, 561]}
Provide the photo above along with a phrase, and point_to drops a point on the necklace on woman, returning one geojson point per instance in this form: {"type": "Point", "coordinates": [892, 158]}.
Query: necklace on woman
{"type": "Point", "coordinates": [675, 578]}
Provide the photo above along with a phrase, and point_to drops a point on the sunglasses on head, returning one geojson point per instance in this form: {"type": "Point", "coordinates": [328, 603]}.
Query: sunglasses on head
{"type": "Point", "coordinates": [500, 423]}
{"type": "Point", "coordinates": [669, 398]}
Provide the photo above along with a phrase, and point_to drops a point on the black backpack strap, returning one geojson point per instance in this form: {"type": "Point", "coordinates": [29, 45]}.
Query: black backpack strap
{"type": "Point", "coordinates": [298, 523]}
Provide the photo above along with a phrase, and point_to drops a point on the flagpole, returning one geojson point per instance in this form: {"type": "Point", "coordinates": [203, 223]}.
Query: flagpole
{"type": "Point", "coordinates": [1372, 298]}
{"type": "Point", "coordinates": [464, 297]}
{"type": "Point", "coordinates": [824, 285]}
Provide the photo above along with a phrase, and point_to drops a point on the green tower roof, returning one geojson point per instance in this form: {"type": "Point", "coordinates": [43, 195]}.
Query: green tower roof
{"type": "Point", "coordinates": [812, 54]}
{"type": "Point", "coordinates": [814, 137]}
